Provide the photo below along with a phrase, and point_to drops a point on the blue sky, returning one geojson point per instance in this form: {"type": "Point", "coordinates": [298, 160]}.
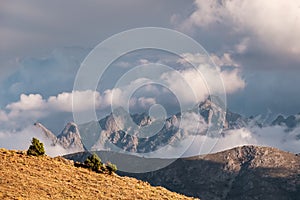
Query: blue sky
{"type": "Point", "coordinates": [255, 43]}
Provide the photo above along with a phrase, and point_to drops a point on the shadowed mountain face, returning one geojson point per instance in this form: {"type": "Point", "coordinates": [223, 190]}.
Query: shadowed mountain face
{"type": "Point", "coordinates": [246, 172]}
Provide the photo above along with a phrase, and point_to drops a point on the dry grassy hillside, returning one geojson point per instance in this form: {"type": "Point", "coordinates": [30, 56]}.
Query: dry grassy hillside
{"type": "Point", "coordinates": [29, 177]}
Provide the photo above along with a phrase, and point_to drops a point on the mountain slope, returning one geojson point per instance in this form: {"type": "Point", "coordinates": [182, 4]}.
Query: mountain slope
{"type": "Point", "coordinates": [247, 172]}
{"type": "Point", "coordinates": [29, 177]}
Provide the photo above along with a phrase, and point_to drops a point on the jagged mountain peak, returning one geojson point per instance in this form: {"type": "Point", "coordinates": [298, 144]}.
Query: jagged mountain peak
{"type": "Point", "coordinates": [213, 112]}
{"type": "Point", "coordinates": [69, 138]}
{"type": "Point", "coordinates": [142, 119]}
{"type": "Point", "coordinates": [70, 128]}
{"type": "Point", "coordinates": [47, 133]}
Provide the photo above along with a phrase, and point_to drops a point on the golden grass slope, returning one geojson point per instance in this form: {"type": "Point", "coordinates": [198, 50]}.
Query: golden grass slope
{"type": "Point", "coordinates": [29, 177]}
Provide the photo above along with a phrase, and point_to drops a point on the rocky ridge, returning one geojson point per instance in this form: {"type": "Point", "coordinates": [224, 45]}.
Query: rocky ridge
{"type": "Point", "coordinates": [121, 131]}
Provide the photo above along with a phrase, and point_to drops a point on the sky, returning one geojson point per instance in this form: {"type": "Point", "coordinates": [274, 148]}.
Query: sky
{"type": "Point", "coordinates": [255, 45]}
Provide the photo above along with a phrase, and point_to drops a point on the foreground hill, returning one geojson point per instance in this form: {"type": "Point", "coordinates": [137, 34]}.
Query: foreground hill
{"type": "Point", "coordinates": [247, 172]}
{"type": "Point", "coordinates": [29, 177]}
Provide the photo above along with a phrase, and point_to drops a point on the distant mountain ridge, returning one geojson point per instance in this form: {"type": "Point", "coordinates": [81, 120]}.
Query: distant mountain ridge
{"type": "Point", "coordinates": [245, 172]}
{"type": "Point", "coordinates": [290, 122]}
{"type": "Point", "coordinates": [122, 131]}
{"type": "Point", "coordinates": [114, 131]}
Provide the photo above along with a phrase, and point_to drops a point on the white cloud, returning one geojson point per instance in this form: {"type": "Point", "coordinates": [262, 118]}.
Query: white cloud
{"type": "Point", "coordinates": [28, 109]}
{"type": "Point", "coordinates": [20, 140]}
{"type": "Point", "coordinates": [193, 123]}
{"type": "Point", "coordinates": [272, 24]}
{"type": "Point", "coordinates": [146, 102]}
{"type": "Point", "coordinates": [64, 101]}
{"type": "Point", "coordinates": [242, 46]}
{"type": "Point", "coordinates": [3, 116]}
{"type": "Point", "coordinates": [224, 60]}
{"type": "Point", "coordinates": [231, 77]}
{"type": "Point", "coordinates": [232, 81]}
{"type": "Point", "coordinates": [220, 61]}
{"type": "Point", "coordinates": [193, 58]}
{"type": "Point", "coordinates": [123, 94]}
{"type": "Point", "coordinates": [33, 107]}
{"type": "Point", "coordinates": [28, 102]}
{"type": "Point", "coordinates": [144, 61]}
{"type": "Point", "coordinates": [272, 136]}
{"type": "Point", "coordinates": [188, 86]}
{"type": "Point", "coordinates": [61, 102]}
{"type": "Point", "coordinates": [114, 96]}
{"type": "Point", "coordinates": [208, 12]}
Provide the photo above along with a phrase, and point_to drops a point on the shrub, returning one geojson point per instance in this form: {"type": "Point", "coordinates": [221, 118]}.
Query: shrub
{"type": "Point", "coordinates": [93, 162]}
{"type": "Point", "coordinates": [36, 148]}
{"type": "Point", "coordinates": [111, 167]}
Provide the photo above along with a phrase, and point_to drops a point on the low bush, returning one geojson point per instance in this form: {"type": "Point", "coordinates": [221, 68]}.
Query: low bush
{"type": "Point", "coordinates": [94, 163]}
{"type": "Point", "coordinates": [111, 167]}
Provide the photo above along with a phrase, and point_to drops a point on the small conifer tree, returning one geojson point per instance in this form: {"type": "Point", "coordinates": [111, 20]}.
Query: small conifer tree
{"type": "Point", "coordinates": [36, 148]}
{"type": "Point", "coordinates": [93, 162]}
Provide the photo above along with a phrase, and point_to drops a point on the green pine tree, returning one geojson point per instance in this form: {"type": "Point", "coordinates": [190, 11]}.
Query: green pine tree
{"type": "Point", "coordinates": [36, 148]}
{"type": "Point", "coordinates": [94, 162]}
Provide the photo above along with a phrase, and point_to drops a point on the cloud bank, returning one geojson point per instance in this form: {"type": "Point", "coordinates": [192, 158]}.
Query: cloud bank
{"type": "Point", "coordinates": [271, 136]}
{"type": "Point", "coordinates": [273, 25]}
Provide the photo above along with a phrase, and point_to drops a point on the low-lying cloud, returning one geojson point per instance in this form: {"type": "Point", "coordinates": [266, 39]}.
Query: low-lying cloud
{"type": "Point", "coordinates": [271, 136]}
{"type": "Point", "coordinates": [21, 140]}
{"type": "Point", "coordinates": [191, 145]}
